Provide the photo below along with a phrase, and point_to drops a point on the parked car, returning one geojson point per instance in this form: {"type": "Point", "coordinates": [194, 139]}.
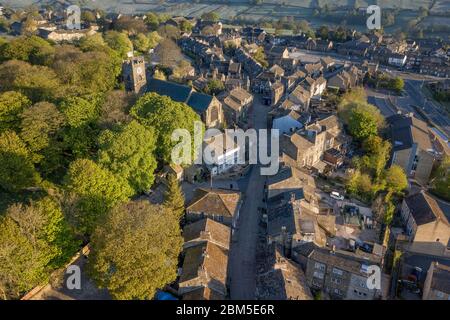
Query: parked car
{"type": "Point", "coordinates": [336, 195]}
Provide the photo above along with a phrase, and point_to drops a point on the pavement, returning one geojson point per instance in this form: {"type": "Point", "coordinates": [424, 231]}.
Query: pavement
{"type": "Point", "coordinates": [242, 260]}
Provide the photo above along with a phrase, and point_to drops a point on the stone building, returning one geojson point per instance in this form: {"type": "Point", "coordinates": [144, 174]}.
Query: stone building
{"type": "Point", "coordinates": [134, 75]}
{"type": "Point", "coordinates": [426, 225]}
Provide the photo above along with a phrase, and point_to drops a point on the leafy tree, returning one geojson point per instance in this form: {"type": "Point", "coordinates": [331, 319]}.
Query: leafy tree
{"type": "Point", "coordinates": [81, 142]}
{"type": "Point", "coordinates": [167, 53]}
{"type": "Point", "coordinates": [360, 184]}
{"type": "Point", "coordinates": [174, 197]}
{"type": "Point", "coordinates": [17, 171]}
{"type": "Point", "coordinates": [115, 109]}
{"type": "Point", "coordinates": [22, 265]}
{"type": "Point", "coordinates": [34, 239]}
{"type": "Point", "coordinates": [210, 16]}
{"type": "Point", "coordinates": [396, 180]}
{"type": "Point", "coordinates": [31, 49]}
{"type": "Point", "coordinates": [135, 250]}
{"type": "Point", "coordinates": [38, 83]}
{"type": "Point", "coordinates": [152, 20]}
{"type": "Point", "coordinates": [159, 75]}
{"type": "Point", "coordinates": [141, 43]}
{"type": "Point", "coordinates": [214, 87]}
{"type": "Point", "coordinates": [39, 125]}
{"type": "Point", "coordinates": [182, 69]}
{"type": "Point", "coordinates": [378, 154]}
{"type": "Point", "coordinates": [165, 115]}
{"type": "Point", "coordinates": [12, 103]}
{"type": "Point", "coordinates": [88, 16]}
{"type": "Point", "coordinates": [260, 57]}
{"type": "Point", "coordinates": [323, 32]}
{"type": "Point", "coordinates": [168, 31]}
{"type": "Point", "coordinates": [79, 111]}
{"type": "Point", "coordinates": [90, 72]}
{"type": "Point", "coordinates": [97, 189]}
{"type": "Point", "coordinates": [185, 26]}
{"type": "Point", "coordinates": [128, 153]}
{"type": "Point", "coordinates": [362, 124]}
{"type": "Point", "coordinates": [441, 179]}
{"type": "Point", "coordinates": [94, 42]}
{"type": "Point", "coordinates": [397, 84]}
{"type": "Point", "coordinates": [119, 42]}
{"type": "Point", "coordinates": [130, 25]}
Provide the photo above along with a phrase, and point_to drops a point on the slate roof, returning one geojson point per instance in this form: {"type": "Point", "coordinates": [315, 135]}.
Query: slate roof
{"type": "Point", "coordinates": [203, 293]}
{"type": "Point", "coordinates": [348, 261]}
{"type": "Point", "coordinates": [199, 102]}
{"type": "Point", "coordinates": [424, 208]}
{"type": "Point", "coordinates": [209, 230]}
{"type": "Point", "coordinates": [405, 131]}
{"type": "Point", "coordinates": [290, 181]}
{"type": "Point", "coordinates": [175, 91]}
{"type": "Point", "coordinates": [215, 201]}
{"type": "Point", "coordinates": [285, 281]}
{"type": "Point", "coordinates": [209, 257]}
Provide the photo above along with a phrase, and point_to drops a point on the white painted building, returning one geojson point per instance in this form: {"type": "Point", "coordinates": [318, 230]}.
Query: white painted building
{"type": "Point", "coordinates": [224, 153]}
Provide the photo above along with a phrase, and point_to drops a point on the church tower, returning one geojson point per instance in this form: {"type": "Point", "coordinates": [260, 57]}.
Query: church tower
{"type": "Point", "coordinates": [134, 75]}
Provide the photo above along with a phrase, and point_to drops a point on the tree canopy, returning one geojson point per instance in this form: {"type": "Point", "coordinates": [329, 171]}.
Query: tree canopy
{"type": "Point", "coordinates": [165, 115]}
{"type": "Point", "coordinates": [129, 153]}
{"type": "Point", "coordinates": [97, 189]}
{"type": "Point", "coordinates": [12, 104]}
{"type": "Point", "coordinates": [34, 239]}
{"type": "Point", "coordinates": [17, 171]}
{"type": "Point", "coordinates": [174, 197]}
{"type": "Point", "coordinates": [135, 250]}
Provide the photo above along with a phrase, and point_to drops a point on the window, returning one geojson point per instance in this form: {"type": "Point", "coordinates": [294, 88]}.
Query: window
{"type": "Point", "coordinates": [318, 275]}
{"type": "Point", "coordinates": [336, 280]}
{"type": "Point", "coordinates": [338, 292]}
{"type": "Point", "coordinates": [338, 271]}
{"type": "Point", "coordinates": [319, 266]}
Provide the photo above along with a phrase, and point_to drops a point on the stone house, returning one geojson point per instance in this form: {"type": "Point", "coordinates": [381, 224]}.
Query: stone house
{"type": "Point", "coordinates": [276, 54]}
{"type": "Point", "coordinates": [412, 147]}
{"type": "Point", "coordinates": [272, 93]}
{"type": "Point", "coordinates": [206, 230]}
{"type": "Point", "coordinates": [341, 274]}
{"type": "Point", "coordinates": [61, 35]}
{"type": "Point", "coordinates": [283, 279]}
{"type": "Point", "coordinates": [203, 274]}
{"type": "Point", "coordinates": [217, 204]}
{"type": "Point", "coordinates": [307, 147]}
{"type": "Point", "coordinates": [426, 224]}
{"type": "Point", "coordinates": [236, 105]}
{"type": "Point", "coordinates": [345, 80]}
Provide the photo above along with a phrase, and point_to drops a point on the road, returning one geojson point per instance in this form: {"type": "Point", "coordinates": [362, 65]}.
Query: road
{"type": "Point", "coordinates": [242, 261]}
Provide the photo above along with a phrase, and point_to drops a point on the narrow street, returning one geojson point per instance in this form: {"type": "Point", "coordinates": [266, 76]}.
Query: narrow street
{"type": "Point", "coordinates": [242, 260]}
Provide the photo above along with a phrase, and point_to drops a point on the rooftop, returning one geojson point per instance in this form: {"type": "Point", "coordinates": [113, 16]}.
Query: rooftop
{"type": "Point", "coordinates": [215, 201]}
{"type": "Point", "coordinates": [424, 208]}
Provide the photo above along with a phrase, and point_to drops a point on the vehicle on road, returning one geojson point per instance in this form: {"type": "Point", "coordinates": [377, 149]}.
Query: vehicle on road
{"type": "Point", "coordinates": [336, 195]}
